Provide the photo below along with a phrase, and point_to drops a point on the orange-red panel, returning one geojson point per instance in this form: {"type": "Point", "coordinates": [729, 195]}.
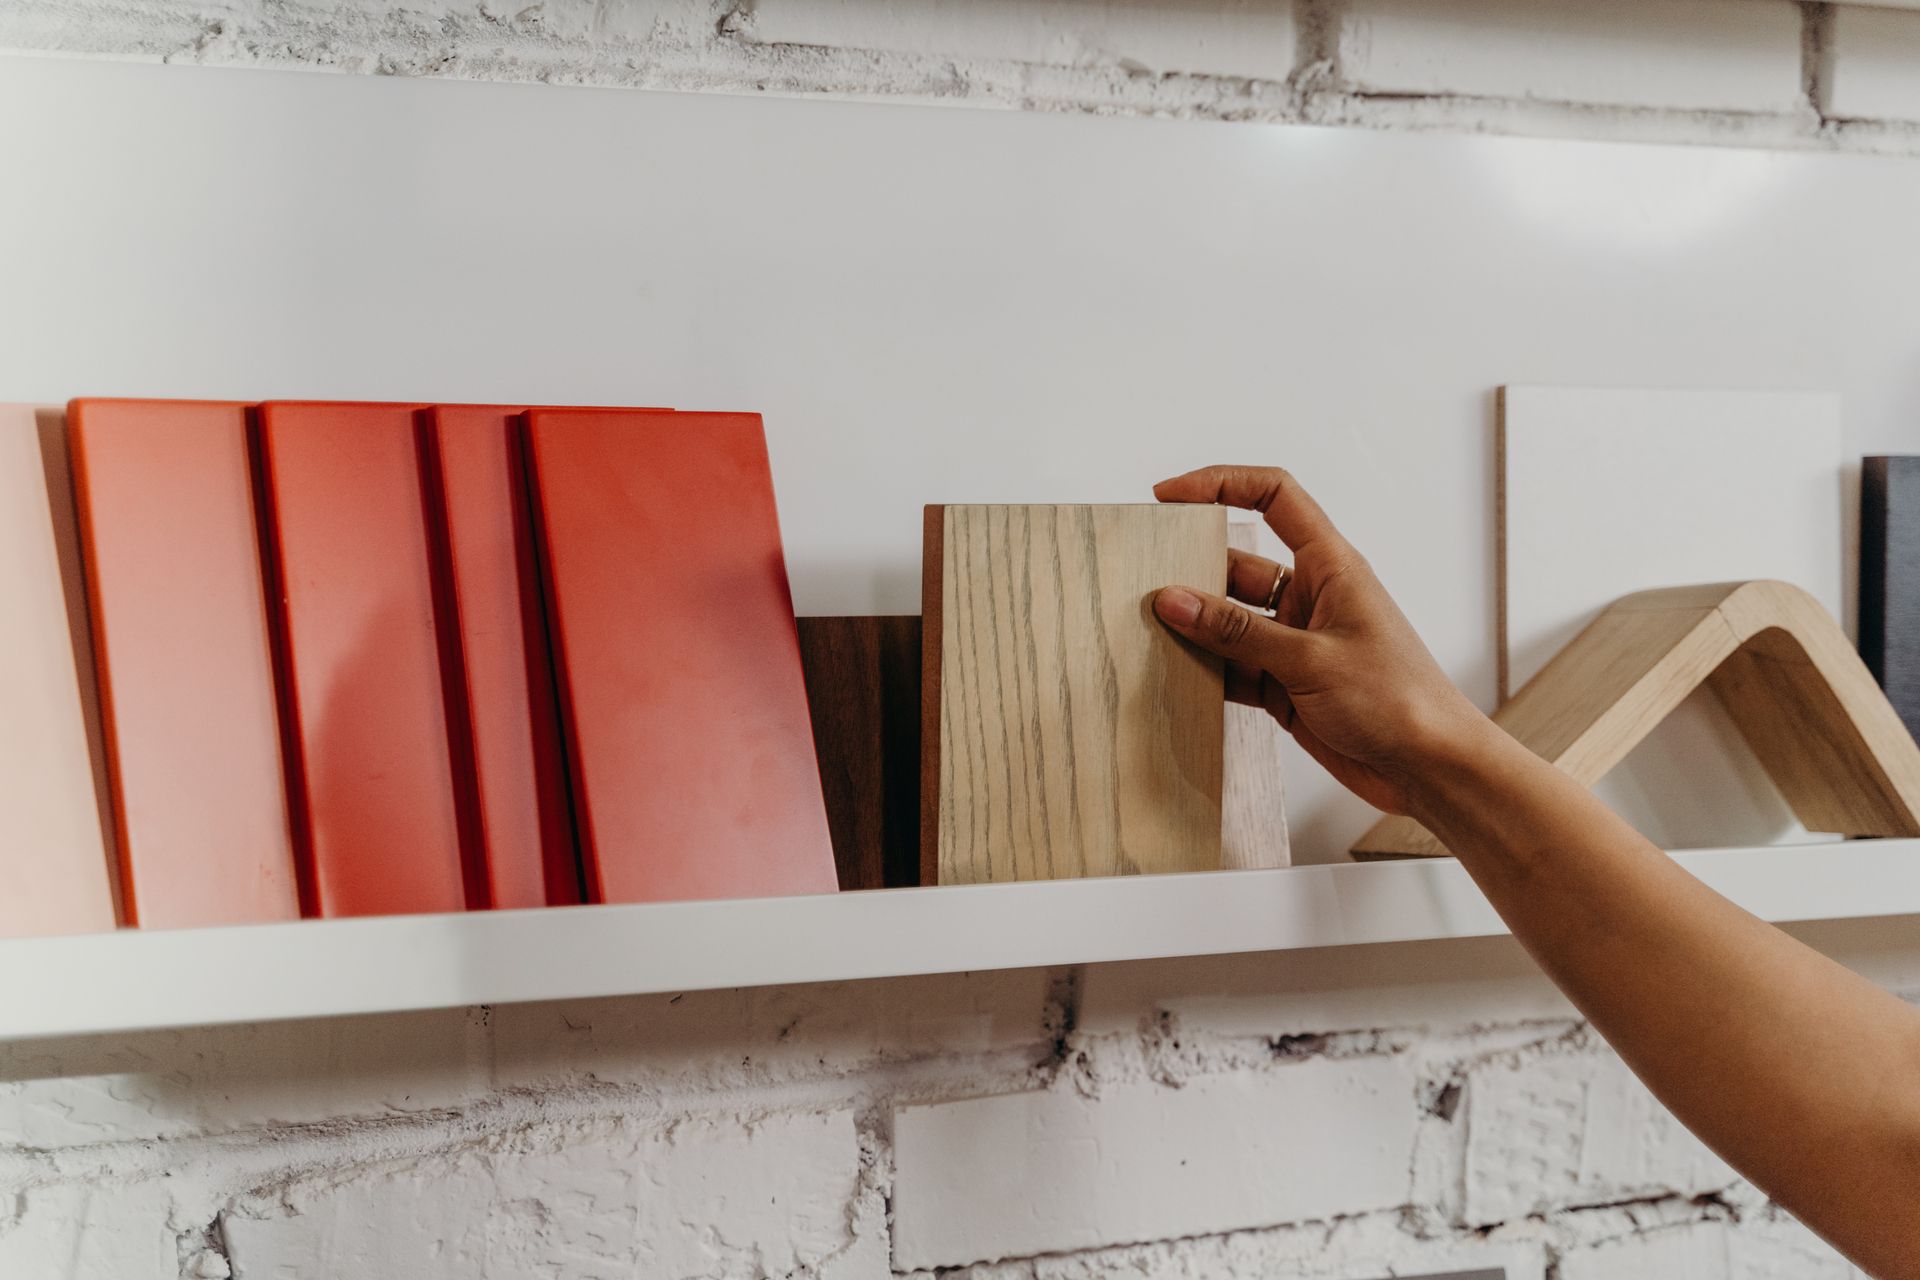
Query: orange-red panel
{"type": "Point", "coordinates": [686, 714]}
{"type": "Point", "coordinates": [170, 532]}
{"type": "Point", "coordinates": [510, 712]}
{"type": "Point", "coordinates": [364, 690]}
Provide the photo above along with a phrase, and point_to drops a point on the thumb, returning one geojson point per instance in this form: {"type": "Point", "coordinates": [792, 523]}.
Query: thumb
{"type": "Point", "coordinates": [1220, 626]}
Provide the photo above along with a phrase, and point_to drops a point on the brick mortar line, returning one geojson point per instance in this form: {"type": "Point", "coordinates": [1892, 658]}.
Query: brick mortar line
{"type": "Point", "coordinates": [729, 60]}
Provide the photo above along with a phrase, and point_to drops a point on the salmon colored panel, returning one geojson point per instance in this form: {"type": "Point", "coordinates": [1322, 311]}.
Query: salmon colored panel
{"type": "Point", "coordinates": [510, 709]}
{"type": "Point", "coordinates": [54, 874]}
{"type": "Point", "coordinates": [692, 753]}
{"type": "Point", "coordinates": [363, 676]}
{"type": "Point", "coordinates": [171, 534]}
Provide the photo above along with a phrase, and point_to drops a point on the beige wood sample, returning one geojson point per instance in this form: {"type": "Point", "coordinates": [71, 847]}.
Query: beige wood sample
{"type": "Point", "coordinates": [55, 872]}
{"type": "Point", "coordinates": [1253, 802]}
{"type": "Point", "coordinates": [1778, 662]}
{"type": "Point", "coordinates": [1066, 732]}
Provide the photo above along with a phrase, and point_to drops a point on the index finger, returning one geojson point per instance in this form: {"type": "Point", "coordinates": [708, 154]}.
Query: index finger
{"type": "Point", "coordinates": [1272, 491]}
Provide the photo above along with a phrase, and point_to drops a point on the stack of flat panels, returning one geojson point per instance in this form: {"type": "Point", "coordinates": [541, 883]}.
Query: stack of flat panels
{"type": "Point", "coordinates": [350, 659]}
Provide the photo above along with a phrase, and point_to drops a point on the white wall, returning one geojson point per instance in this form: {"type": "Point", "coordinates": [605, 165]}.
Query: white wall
{"type": "Point", "coordinates": [1345, 1114]}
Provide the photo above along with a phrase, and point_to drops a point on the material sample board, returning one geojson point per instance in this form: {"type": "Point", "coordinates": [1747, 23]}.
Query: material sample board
{"type": "Point", "coordinates": [1253, 794]}
{"type": "Point", "coordinates": [1890, 580]}
{"type": "Point", "coordinates": [1780, 666]}
{"type": "Point", "coordinates": [1065, 732]}
{"type": "Point", "coordinates": [180, 634]}
{"type": "Point", "coordinates": [381, 831]}
{"type": "Point", "coordinates": [1608, 492]}
{"type": "Point", "coordinates": [863, 689]}
{"type": "Point", "coordinates": [507, 714]}
{"type": "Point", "coordinates": [55, 875]}
{"type": "Point", "coordinates": [691, 752]}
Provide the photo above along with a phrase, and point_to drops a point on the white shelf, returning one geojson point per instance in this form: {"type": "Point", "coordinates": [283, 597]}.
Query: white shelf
{"type": "Point", "coordinates": [132, 979]}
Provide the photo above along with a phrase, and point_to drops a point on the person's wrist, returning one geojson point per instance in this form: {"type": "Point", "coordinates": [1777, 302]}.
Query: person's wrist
{"type": "Point", "coordinates": [1452, 749]}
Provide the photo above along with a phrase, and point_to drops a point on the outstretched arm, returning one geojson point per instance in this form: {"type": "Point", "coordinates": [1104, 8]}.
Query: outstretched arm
{"type": "Point", "coordinates": [1803, 1075]}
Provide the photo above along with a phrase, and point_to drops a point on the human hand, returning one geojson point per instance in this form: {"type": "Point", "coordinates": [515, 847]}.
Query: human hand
{"type": "Point", "coordinates": [1338, 665]}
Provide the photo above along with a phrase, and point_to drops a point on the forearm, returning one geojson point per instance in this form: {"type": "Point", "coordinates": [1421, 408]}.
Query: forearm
{"type": "Point", "coordinates": [1802, 1074]}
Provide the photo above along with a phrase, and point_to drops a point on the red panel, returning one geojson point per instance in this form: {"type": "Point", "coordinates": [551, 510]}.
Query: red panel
{"type": "Point", "coordinates": [364, 678]}
{"type": "Point", "coordinates": [180, 622]}
{"type": "Point", "coordinates": [693, 760]}
{"type": "Point", "coordinates": [525, 831]}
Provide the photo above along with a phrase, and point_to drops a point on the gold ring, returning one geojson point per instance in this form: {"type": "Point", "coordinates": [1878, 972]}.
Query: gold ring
{"type": "Point", "coordinates": [1279, 580]}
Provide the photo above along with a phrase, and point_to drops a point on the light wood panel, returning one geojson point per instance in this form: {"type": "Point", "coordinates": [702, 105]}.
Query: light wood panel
{"type": "Point", "coordinates": [1065, 731]}
{"type": "Point", "coordinates": [1778, 662]}
{"type": "Point", "coordinates": [1253, 802]}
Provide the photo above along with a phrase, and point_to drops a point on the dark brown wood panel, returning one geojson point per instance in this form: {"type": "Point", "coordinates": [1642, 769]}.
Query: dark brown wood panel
{"type": "Point", "coordinates": [863, 688]}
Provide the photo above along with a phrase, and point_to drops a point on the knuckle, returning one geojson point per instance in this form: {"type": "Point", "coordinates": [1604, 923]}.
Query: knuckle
{"type": "Point", "coordinates": [1230, 624]}
{"type": "Point", "coordinates": [1275, 483]}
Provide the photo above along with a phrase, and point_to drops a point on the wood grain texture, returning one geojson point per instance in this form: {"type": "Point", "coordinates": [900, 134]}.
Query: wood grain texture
{"type": "Point", "coordinates": [1777, 661]}
{"type": "Point", "coordinates": [863, 692]}
{"type": "Point", "coordinates": [1066, 732]}
{"type": "Point", "coordinates": [1253, 801]}
{"type": "Point", "coordinates": [1890, 580]}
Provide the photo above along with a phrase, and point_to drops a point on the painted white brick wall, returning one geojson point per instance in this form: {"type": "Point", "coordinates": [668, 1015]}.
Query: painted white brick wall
{"type": "Point", "coordinates": [1557, 1130]}
{"type": "Point", "coordinates": [1343, 1115]}
{"type": "Point", "coordinates": [1058, 1170]}
{"type": "Point", "coordinates": [1745, 72]}
{"type": "Point", "coordinates": [1251, 38]}
{"type": "Point", "coordinates": [76, 1229]}
{"type": "Point", "coordinates": [1435, 1109]}
{"type": "Point", "coordinates": [1774, 1249]}
{"type": "Point", "coordinates": [1876, 64]}
{"type": "Point", "coordinates": [1707, 55]}
{"type": "Point", "coordinates": [702, 1196]}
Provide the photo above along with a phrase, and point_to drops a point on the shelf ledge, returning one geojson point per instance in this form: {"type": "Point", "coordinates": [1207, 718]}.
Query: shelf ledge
{"type": "Point", "coordinates": [135, 980]}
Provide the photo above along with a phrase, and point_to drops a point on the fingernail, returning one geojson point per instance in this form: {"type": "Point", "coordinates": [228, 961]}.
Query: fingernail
{"type": "Point", "coordinates": [1178, 606]}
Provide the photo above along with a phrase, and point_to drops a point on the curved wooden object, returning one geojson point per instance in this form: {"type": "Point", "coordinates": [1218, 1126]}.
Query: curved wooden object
{"type": "Point", "coordinates": [1779, 663]}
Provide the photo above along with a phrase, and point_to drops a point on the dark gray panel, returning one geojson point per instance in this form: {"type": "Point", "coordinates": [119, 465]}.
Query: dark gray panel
{"type": "Point", "coordinates": [1890, 579]}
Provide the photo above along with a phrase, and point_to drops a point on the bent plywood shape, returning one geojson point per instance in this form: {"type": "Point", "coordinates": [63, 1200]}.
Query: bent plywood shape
{"type": "Point", "coordinates": [54, 868]}
{"type": "Point", "coordinates": [1065, 731]}
{"type": "Point", "coordinates": [1778, 662]}
{"type": "Point", "coordinates": [1606, 491]}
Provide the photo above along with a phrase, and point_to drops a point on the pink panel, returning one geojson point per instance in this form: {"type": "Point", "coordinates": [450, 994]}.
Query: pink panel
{"type": "Point", "coordinates": [181, 644]}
